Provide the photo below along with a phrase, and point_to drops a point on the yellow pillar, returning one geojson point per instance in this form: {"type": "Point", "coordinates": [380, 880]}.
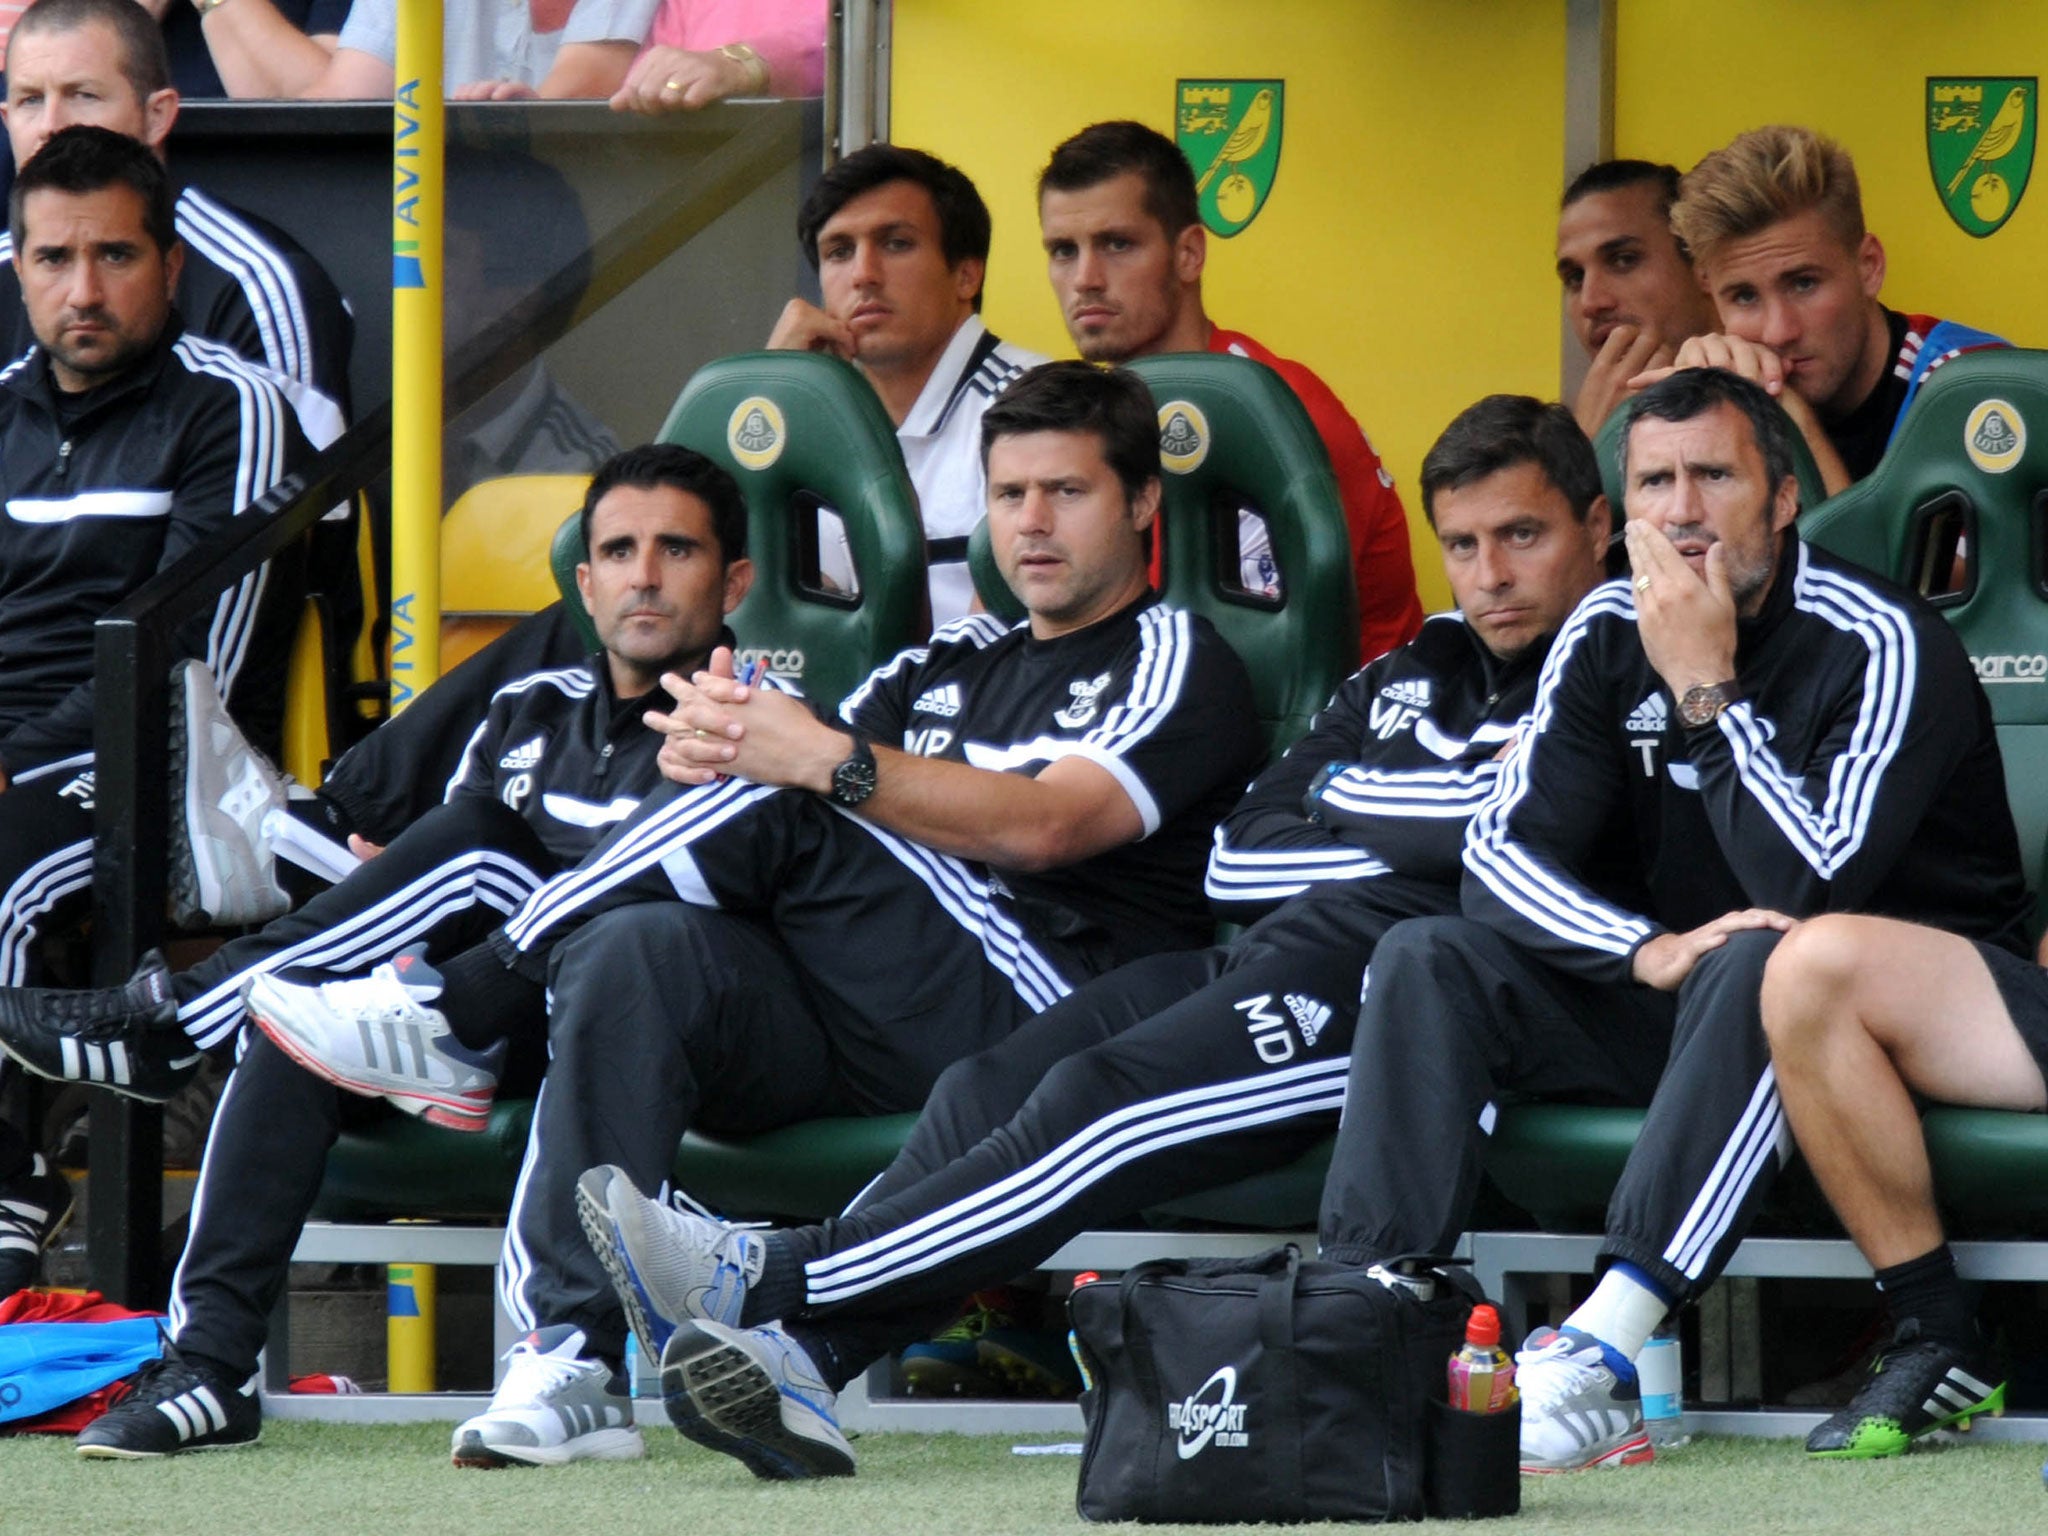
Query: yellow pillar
{"type": "Point", "coordinates": [409, 1327]}
{"type": "Point", "coordinates": [416, 209]}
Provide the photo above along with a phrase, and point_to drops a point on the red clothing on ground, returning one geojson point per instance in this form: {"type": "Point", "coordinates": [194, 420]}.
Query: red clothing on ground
{"type": "Point", "coordinates": [33, 1306]}
{"type": "Point", "coordinates": [1389, 612]}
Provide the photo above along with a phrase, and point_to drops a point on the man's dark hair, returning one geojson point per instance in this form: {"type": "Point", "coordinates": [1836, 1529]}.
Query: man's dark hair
{"type": "Point", "coordinates": [143, 59]}
{"type": "Point", "coordinates": [658, 464]}
{"type": "Point", "coordinates": [1104, 151]}
{"type": "Point", "coordinates": [1692, 392]}
{"type": "Point", "coordinates": [1111, 403]}
{"type": "Point", "coordinates": [1614, 175]}
{"type": "Point", "coordinates": [963, 216]}
{"type": "Point", "coordinates": [1502, 432]}
{"type": "Point", "coordinates": [86, 159]}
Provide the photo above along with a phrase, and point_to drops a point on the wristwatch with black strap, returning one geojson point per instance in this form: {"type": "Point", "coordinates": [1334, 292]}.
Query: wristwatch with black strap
{"type": "Point", "coordinates": [854, 780]}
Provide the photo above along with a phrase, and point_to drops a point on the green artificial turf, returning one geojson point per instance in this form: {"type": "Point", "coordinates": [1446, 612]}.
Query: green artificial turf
{"type": "Point", "coordinates": [394, 1480]}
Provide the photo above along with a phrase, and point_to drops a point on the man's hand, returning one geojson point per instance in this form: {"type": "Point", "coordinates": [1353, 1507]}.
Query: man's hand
{"type": "Point", "coordinates": [804, 327]}
{"type": "Point", "coordinates": [1751, 359]}
{"type": "Point", "coordinates": [1687, 625]}
{"type": "Point", "coordinates": [1761, 366]}
{"type": "Point", "coordinates": [1665, 961]}
{"type": "Point", "coordinates": [669, 79]}
{"type": "Point", "coordinates": [362, 847]}
{"type": "Point", "coordinates": [494, 90]}
{"type": "Point", "coordinates": [1626, 353]}
{"type": "Point", "coordinates": [721, 726]}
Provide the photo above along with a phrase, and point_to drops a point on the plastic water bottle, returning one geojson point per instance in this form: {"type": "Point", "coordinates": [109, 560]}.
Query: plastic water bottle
{"type": "Point", "coordinates": [643, 1376]}
{"type": "Point", "coordinates": [1660, 1368]}
{"type": "Point", "coordinates": [1482, 1376]}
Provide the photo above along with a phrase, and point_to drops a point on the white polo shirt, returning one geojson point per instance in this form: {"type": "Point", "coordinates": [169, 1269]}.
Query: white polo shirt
{"type": "Point", "coordinates": [941, 440]}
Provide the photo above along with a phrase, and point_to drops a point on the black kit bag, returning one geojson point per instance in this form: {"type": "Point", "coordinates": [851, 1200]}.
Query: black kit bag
{"type": "Point", "coordinates": [1273, 1389]}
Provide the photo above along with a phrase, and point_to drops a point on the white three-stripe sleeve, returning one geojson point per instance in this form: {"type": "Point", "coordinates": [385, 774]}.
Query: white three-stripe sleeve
{"type": "Point", "coordinates": [225, 478]}
{"type": "Point", "coordinates": [1554, 793]}
{"type": "Point", "coordinates": [1821, 834]}
{"type": "Point", "coordinates": [1266, 849]}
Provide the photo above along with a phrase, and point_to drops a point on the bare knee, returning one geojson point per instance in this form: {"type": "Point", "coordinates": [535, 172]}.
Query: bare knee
{"type": "Point", "coordinates": [1811, 983]}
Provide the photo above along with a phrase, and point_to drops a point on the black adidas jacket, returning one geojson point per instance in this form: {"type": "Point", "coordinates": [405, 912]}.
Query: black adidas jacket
{"type": "Point", "coordinates": [560, 749]}
{"type": "Point", "coordinates": [103, 489]}
{"type": "Point", "coordinates": [1385, 778]}
{"type": "Point", "coordinates": [1858, 773]}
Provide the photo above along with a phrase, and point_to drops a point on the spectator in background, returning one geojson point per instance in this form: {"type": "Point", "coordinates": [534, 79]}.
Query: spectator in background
{"type": "Point", "coordinates": [702, 51]}
{"type": "Point", "coordinates": [513, 223]}
{"type": "Point", "coordinates": [1125, 248]}
{"type": "Point", "coordinates": [1629, 289]}
{"type": "Point", "coordinates": [546, 48]}
{"type": "Point", "coordinates": [210, 57]}
{"type": "Point", "coordinates": [1775, 225]}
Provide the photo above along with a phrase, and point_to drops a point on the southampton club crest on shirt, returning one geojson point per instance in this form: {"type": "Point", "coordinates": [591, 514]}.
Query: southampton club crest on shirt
{"type": "Point", "coordinates": [1980, 146]}
{"type": "Point", "coordinates": [1230, 132]}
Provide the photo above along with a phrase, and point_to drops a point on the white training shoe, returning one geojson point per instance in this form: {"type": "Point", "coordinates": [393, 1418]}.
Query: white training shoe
{"type": "Point", "coordinates": [1581, 1404]}
{"type": "Point", "coordinates": [553, 1406]}
{"type": "Point", "coordinates": [222, 870]}
{"type": "Point", "coordinates": [754, 1394]}
{"type": "Point", "coordinates": [377, 1036]}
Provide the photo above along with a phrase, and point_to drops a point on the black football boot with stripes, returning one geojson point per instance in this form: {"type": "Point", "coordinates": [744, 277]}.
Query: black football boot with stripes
{"type": "Point", "coordinates": [34, 1205]}
{"type": "Point", "coordinates": [175, 1405]}
{"type": "Point", "coordinates": [125, 1038]}
{"type": "Point", "coordinates": [1918, 1384]}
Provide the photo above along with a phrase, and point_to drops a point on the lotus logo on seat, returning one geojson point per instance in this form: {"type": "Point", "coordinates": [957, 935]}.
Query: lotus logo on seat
{"type": "Point", "coordinates": [1210, 1415]}
{"type": "Point", "coordinates": [1995, 436]}
{"type": "Point", "coordinates": [755, 432]}
{"type": "Point", "coordinates": [1183, 437]}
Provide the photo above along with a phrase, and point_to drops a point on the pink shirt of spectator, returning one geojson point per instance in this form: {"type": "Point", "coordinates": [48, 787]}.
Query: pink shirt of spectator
{"type": "Point", "coordinates": [789, 35]}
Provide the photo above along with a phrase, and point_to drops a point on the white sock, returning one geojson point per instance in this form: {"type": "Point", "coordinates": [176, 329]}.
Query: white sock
{"type": "Point", "coordinates": [1621, 1313]}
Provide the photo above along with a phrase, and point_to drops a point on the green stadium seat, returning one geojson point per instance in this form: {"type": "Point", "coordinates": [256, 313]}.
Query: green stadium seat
{"type": "Point", "coordinates": [1939, 490]}
{"type": "Point", "coordinates": [799, 431]}
{"type": "Point", "coordinates": [565, 553]}
{"type": "Point", "coordinates": [1233, 435]}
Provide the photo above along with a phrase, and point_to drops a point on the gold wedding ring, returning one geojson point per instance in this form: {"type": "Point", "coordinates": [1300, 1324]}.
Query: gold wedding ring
{"type": "Point", "coordinates": [671, 84]}
{"type": "Point", "coordinates": [1642, 583]}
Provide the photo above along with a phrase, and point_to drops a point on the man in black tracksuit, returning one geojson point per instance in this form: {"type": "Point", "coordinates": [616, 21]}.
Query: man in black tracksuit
{"type": "Point", "coordinates": [1187, 1070]}
{"type": "Point", "coordinates": [1033, 807]}
{"type": "Point", "coordinates": [1712, 757]}
{"type": "Point", "coordinates": [125, 443]}
{"type": "Point", "coordinates": [562, 757]}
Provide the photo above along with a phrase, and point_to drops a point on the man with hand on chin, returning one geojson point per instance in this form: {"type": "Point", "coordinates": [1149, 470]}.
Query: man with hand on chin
{"type": "Point", "coordinates": [1745, 732]}
{"type": "Point", "coordinates": [1774, 223]}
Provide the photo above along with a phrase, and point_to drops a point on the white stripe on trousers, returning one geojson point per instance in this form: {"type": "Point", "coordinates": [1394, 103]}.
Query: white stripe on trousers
{"type": "Point", "coordinates": [1071, 1168]}
{"type": "Point", "coordinates": [480, 877]}
{"type": "Point", "coordinates": [1760, 1132]}
{"type": "Point", "coordinates": [29, 899]}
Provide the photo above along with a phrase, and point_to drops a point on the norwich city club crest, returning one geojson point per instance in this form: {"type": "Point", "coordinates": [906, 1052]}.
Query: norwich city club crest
{"type": "Point", "coordinates": [1980, 146]}
{"type": "Point", "coordinates": [1230, 132]}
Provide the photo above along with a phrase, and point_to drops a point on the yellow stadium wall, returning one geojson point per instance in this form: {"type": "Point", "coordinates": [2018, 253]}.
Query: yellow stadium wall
{"type": "Point", "coordinates": [1406, 250]}
{"type": "Point", "coordinates": [1688, 78]}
